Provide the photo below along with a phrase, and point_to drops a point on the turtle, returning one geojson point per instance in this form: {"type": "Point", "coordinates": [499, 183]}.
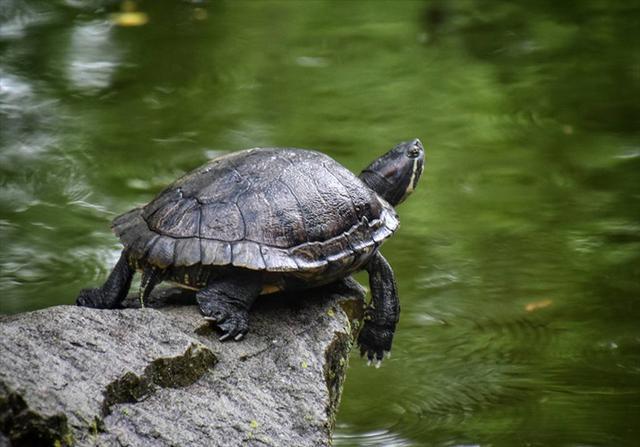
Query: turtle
{"type": "Point", "coordinates": [263, 220]}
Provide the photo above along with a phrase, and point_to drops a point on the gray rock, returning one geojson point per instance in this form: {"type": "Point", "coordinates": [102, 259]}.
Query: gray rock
{"type": "Point", "coordinates": [158, 376]}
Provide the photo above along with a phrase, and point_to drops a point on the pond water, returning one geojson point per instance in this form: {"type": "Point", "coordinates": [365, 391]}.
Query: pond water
{"type": "Point", "coordinates": [518, 258]}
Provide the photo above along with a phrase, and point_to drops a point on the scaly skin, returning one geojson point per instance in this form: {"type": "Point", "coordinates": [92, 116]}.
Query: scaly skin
{"type": "Point", "coordinates": [227, 302]}
{"type": "Point", "coordinates": [382, 316]}
{"type": "Point", "coordinates": [113, 291]}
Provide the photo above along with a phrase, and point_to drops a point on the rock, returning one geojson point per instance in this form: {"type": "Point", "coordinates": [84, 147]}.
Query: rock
{"type": "Point", "coordinates": [158, 376]}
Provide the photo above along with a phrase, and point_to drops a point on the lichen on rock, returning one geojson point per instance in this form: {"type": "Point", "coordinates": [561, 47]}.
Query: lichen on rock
{"type": "Point", "coordinates": [165, 372]}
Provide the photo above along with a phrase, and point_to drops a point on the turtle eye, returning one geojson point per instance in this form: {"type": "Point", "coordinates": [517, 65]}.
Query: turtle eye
{"type": "Point", "coordinates": [413, 152]}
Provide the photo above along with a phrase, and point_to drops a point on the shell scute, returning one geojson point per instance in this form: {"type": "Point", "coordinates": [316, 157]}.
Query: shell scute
{"type": "Point", "coordinates": [177, 219]}
{"type": "Point", "coordinates": [162, 252]}
{"type": "Point", "coordinates": [222, 221]}
{"type": "Point", "coordinates": [187, 252]}
{"type": "Point", "coordinates": [215, 252]}
{"type": "Point", "coordinates": [247, 254]}
{"type": "Point", "coordinates": [320, 220]}
{"type": "Point", "coordinates": [309, 257]}
{"type": "Point", "coordinates": [277, 259]}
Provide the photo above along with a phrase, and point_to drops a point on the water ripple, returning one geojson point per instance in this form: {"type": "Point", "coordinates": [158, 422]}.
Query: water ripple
{"type": "Point", "coordinates": [17, 16]}
{"type": "Point", "coordinates": [385, 438]}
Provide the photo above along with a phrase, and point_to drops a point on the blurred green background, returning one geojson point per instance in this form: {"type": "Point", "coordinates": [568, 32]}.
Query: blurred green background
{"type": "Point", "coordinates": [518, 259]}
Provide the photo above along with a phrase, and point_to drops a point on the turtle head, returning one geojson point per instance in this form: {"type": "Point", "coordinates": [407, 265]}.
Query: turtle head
{"type": "Point", "coordinates": [395, 175]}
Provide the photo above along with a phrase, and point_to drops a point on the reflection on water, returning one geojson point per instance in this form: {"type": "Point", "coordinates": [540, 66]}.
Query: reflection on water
{"type": "Point", "coordinates": [519, 254]}
{"type": "Point", "coordinates": [93, 56]}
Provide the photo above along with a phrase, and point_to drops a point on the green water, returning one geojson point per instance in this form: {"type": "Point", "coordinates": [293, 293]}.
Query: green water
{"type": "Point", "coordinates": [518, 259]}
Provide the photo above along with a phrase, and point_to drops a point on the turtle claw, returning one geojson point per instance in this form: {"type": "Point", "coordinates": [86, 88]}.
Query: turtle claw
{"type": "Point", "coordinates": [232, 321]}
{"type": "Point", "coordinates": [232, 333]}
{"type": "Point", "coordinates": [233, 325]}
{"type": "Point", "coordinates": [233, 328]}
{"type": "Point", "coordinates": [375, 342]}
{"type": "Point", "coordinates": [224, 337]}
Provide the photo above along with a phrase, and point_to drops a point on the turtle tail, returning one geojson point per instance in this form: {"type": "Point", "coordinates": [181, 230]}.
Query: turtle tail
{"type": "Point", "coordinates": [151, 277]}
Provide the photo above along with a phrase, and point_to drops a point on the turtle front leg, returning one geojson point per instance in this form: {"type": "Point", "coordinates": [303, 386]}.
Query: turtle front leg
{"type": "Point", "coordinates": [113, 291]}
{"type": "Point", "coordinates": [227, 302]}
{"type": "Point", "coordinates": [382, 315]}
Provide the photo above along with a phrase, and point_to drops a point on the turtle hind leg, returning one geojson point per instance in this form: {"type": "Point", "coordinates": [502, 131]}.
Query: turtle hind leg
{"type": "Point", "coordinates": [227, 301]}
{"type": "Point", "coordinates": [113, 291]}
{"type": "Point", "coordinates": [381, 317]}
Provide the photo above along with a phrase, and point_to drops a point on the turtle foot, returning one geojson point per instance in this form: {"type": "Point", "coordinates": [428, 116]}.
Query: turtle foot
{"type": "Point", "coordinates": [375, 342]}
{"type": "Point", "coordinates": [92, 298]}
{"type": "Point", "coordinates": [232, 321]}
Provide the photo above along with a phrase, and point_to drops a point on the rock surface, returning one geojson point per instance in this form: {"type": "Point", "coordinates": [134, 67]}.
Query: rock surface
{"type": "Point", "coordinates": [159, 376]}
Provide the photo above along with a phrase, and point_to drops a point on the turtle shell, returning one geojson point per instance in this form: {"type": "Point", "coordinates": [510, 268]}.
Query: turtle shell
{"type": "Point", "coordinates": [280, 210]}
